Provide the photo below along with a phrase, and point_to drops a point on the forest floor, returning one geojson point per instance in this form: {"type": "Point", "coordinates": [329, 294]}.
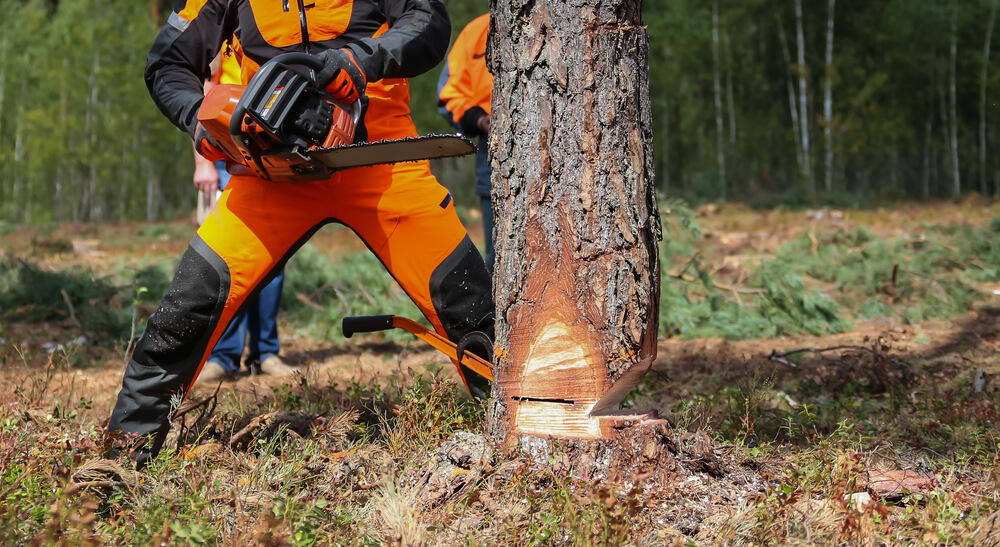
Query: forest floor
{"type": "Point", "coordinates": [888, 434]}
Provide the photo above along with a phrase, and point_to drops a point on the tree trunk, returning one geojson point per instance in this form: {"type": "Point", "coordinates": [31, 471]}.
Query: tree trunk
{"type": "Point", "coordinates": [828, 101]}
{"type": "Point", "coordinates": [803, 99]}
{"type": "Point", "coordinates": [577, 274]}
{"type": "Point", "coordinates": [720, 145]}
{"type": "Point", "coordinates": [792, 101]}
{"type": "Point", "coordinates": [945, 136]}
{"type": "Point", "coordinates": [953, 102]}
{"type": "Point", "coordinates": [666, 150]}
{"type": "Point", "coordinates": [982, 100]}
{"type": "Point", "coordinates": [928, 135]}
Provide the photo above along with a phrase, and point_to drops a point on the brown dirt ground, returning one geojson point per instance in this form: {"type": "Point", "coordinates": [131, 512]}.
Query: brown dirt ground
{"type": "Point", "coordinates": [734, 235]}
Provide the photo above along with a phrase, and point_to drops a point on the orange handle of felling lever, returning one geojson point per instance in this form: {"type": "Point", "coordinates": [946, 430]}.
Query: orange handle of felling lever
{"type": "Point", "coordinates": [372, 323]}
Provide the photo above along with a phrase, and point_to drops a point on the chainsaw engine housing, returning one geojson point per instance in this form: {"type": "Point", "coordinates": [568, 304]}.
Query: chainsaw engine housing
{"type": "Point", "coordinates": [269, 125]}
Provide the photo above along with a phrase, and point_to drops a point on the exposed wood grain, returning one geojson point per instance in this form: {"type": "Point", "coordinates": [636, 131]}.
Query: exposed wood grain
{"type": "Point", "coordinates": [577, 226]}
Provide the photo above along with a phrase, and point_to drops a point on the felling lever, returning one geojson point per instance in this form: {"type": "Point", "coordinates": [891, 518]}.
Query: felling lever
{"type": "Point", "coordinates": [374, 323]}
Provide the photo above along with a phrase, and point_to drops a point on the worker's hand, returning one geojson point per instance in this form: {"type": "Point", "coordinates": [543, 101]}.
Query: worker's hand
{"type": "Point", "coordinates": [204, 145]}
{"type": "Point", "coordinates": [475, 121]}
{"type": "Point", "coordinates": [341, 76]}
{"type": "Point", "coordinates": [206, 178]}
{"type": "Point", "coordinates": [484, 124]}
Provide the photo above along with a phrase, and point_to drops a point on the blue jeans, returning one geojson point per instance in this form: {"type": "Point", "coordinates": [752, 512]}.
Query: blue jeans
{"type": "Point", "coordinates": [259, 317]}
{"type": "Point", "coordinates": [259, 320]}
{"type": "Point", "coordinates": [487, 206]}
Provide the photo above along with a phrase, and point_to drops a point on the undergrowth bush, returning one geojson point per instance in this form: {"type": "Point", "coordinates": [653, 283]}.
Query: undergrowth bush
{"type": "Point", "coordinates": [320, 291]}
{"type": "Point", "coordinates": [775, 302]}
{"type": "Point", "coordinates": [103, 305]}
{"type": "Point", "coordinates": [914, 278]}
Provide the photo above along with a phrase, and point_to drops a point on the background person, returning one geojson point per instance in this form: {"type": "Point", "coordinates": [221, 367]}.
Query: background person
{"type": "Point", "coordinates": [256, 327]}
{"type": "Point", "coordinates": [465, 96]}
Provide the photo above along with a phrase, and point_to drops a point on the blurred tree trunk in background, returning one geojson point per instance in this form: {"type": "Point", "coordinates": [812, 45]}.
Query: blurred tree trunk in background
{"type": "Point", "coordinates": [720, 146]}
{"type": "Point", "coordinates": [983, 172]}
{"type": "Point", "coordinates": [953, 101]}
{"type": "Point", "coordinates": [828, 101]}
{"type": "Point", "coordinates": [803, 71]}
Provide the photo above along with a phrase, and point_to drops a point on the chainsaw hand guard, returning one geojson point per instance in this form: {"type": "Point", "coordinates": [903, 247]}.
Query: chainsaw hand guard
{"type": "Point", "coordinates": [206, 146]}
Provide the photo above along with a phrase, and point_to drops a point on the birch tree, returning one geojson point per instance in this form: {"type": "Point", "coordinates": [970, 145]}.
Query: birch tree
{"type": "Point", "coordinates": [828, 100]}
{"type": "Point", "coordinates": [983, 176]}
{"type": "Point", "coordinates": [803, 98]}
{"type": "Point", "coordinates": [720, 150]}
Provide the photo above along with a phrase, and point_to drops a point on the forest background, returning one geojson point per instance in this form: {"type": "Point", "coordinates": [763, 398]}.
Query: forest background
{"type": "Point", "coordinates": [769, 102]}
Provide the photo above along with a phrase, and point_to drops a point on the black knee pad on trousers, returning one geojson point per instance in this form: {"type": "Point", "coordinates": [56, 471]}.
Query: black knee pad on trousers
{"type": "Point", "coordinates": [170, 350]}
{"type": "Point", "coordinates": [462, 293]}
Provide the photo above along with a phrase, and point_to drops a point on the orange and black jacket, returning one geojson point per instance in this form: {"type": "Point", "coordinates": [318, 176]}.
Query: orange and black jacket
{"type": "Point", "coordinates": [388, 38]}
{"type": "Point", "coordinates": [467, 88]}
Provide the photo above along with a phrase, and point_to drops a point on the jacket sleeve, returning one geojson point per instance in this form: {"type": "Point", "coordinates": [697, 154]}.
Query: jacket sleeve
{"type": "Point", "coordinates": [455, 94]}
{"type": "Point", "coordinates": [417, 40]}
{"type": "Point", "coordinates": [180, 59]}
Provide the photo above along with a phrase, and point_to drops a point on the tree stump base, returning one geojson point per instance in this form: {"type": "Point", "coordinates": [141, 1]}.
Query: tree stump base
{"type": "Point", "coordinates": [635, 449]}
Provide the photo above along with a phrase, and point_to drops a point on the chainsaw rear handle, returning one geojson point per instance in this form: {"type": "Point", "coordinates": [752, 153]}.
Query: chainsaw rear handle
{"type": "Point", "coordinates": [366, 323]}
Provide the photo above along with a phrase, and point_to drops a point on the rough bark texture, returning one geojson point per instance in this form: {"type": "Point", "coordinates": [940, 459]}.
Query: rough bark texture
{"type": "Point", "coordinates": [577, 227]}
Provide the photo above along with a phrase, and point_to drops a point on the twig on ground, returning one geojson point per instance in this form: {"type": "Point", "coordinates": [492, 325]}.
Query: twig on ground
{"type": "Point", "coordinates": [72, 313]}
{"type": "Point", "coordinates": [307, 301]}
{"type": "Point", "coordinates": [213, 398]}
{"type": "Point", "coordinates": [721, 287]}
{"type": "Point", "coordinates": [680, 274]}
{"type": "Point", "coordinates": [779, 357]}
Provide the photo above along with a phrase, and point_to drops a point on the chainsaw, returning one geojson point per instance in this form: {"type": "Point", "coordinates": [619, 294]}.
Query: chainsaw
{"type": "Point", "coordinates": [283, 127]}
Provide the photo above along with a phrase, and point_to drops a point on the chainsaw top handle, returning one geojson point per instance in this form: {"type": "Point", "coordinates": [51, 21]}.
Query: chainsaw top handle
{"type": "Point", "coordinates": [270, 98]}
{"type": "Point", "coordinates": [289, 60]}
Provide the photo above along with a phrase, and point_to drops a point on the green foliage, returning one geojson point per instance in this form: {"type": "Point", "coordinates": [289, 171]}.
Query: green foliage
{"type": "Point", "coordinates": [81, 140]}
{"type": "Point", "coordinates": [32, 294]}
{"type": "Point", "coordinates": [914, 278]}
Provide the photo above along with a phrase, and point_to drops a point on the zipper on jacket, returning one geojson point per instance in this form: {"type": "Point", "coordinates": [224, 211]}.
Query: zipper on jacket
{"type": "Point", "coordinates": [304, 24]}
{"type": "Point", "coordinates": [284, 5]}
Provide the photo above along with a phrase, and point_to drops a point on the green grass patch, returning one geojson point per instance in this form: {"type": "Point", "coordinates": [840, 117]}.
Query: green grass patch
{"type": "Point", "coordinates": [320, 291]}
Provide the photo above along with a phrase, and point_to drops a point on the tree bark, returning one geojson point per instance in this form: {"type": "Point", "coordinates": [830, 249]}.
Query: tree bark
{"type": "Point", "coordinates": [577, 273]}
{"type": "Point", "coordinates": [803, 99]}
{"type": "Point", "coordinates": [982, 100]}
{"type": "Point", "coordinates": [828, 101]}
{"type": "Point", "coordinates": [928, 135]}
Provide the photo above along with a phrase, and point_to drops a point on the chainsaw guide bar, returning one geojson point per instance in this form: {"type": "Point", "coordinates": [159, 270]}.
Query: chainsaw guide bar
{"type": "Point", "coordinates": [392, 151]}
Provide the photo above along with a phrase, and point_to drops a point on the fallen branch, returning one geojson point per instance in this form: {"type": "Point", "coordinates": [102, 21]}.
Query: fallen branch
{"type": "Point", "coordinates": [72, 313]}
{"type": "Point", "coordinates": [213, 398]}
{"type": "Point", "coordinates": [721, 287]}
{"type": "Point", "coordinates": [780, 357]}
{"type": "Point", "coordinates": [75, 488]}
{"type": "Point", "coordinates": [307, 301]}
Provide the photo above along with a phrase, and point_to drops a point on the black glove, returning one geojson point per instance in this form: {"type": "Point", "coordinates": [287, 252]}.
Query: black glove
{"type": "Point", "coordinates": [469, 124]}
{"type": "Point", "coordinates": [341, 76]}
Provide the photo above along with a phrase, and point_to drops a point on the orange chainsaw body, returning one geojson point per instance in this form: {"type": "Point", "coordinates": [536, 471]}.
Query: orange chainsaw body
{"type": "Point", "coordinates": [270, 125]}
